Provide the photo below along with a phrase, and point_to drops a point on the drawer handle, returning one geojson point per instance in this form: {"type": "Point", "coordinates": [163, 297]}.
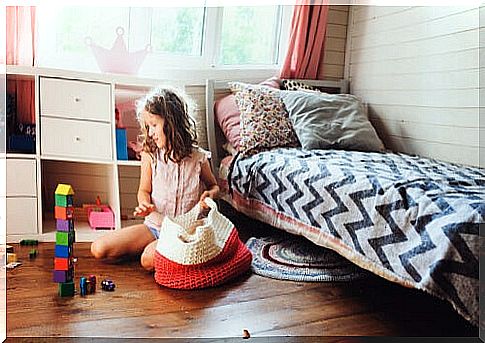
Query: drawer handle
{"type": "Point", "coordinates": [77, 138]}
{"type": "Point", "coordinates": [76, 99]}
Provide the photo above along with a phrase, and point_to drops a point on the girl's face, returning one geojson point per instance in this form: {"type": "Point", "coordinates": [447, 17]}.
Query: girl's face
{"type": "Point", "coordinates": [155, 125]}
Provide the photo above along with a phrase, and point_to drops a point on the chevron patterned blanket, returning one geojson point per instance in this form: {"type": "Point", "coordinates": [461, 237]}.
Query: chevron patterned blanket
{"type": "Point", "coordinates": [411, 220]}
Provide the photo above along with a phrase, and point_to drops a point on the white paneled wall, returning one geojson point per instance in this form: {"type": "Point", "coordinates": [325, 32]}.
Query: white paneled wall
{"type": "Point", "coordinates": [333, 64]}
{"type": "Point", "coordinates": [418, 69]}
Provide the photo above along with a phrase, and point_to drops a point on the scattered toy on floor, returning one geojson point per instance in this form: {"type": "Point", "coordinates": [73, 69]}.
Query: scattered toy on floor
{"type": "Point", "coordinates": [29, 242]}
{"type": "Point", "coordinates": [108, 285]}
{"type": "Point", "coordinates": [92, 279]}
{"type": "Point", "coordinates": [11, 257]}
{"type": "Point", "coordinates": [33, 253]}
{"type": "Point", "coordinates": [83, 286]}
{"type": "Point", "coordinates": [13, 265]}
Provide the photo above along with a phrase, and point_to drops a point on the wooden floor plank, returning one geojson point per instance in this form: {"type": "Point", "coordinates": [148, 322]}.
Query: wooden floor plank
{"type": "Point", "coordinates": [264, 306]}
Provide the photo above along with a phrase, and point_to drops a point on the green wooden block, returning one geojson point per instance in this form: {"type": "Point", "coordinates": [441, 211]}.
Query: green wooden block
{"type": "Point", "coordinates": [63, 200]}
{"type": "Point", "coordinates": [64, 238]}
{"type": "Point", "coordinates": [66, 289]}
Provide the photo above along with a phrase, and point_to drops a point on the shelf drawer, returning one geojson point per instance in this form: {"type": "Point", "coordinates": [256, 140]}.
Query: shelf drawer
{"type": "Point", "coordinates": [76, 139]}
{"type": "Point", "coordinates": [21, 216]}
{"type": "Point", "coordinates": [75, 99]}
{"type": "Point", "coordinates": [21, 178]}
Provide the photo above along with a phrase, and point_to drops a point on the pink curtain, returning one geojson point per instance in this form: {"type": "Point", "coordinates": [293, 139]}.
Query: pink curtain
{"type": "Point", "coordinates": [20, 40]}
{"type": "Point", "coordinates": [307, 39]}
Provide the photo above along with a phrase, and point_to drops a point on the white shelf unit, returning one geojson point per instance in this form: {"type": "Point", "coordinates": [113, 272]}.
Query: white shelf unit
{"type": "Point", "coordinates": [75, 144]}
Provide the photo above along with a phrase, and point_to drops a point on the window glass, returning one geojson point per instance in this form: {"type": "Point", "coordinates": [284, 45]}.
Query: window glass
{"type": "Point", "coordinates": [249, 35]}
{"type": "Point", "coordinates": [177, 30]}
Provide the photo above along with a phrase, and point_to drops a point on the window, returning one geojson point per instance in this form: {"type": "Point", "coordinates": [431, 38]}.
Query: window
{"type": "Point", "coordinates": [178, 37]}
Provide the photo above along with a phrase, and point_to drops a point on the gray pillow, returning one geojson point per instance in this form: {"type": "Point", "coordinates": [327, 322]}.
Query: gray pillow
{"type": "Point", "coordinates": [336, 121]}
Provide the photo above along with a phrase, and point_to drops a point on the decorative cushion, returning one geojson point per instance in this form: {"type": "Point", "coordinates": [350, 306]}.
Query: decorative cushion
{"type": "Point", "coordinates": [331, 121]}
{"type": "Point", "coordinates": [264, 120]}
{"type": "Point", "coordinates": [292, 85]}
{"type": "Point", "coordinates": [227, 113]}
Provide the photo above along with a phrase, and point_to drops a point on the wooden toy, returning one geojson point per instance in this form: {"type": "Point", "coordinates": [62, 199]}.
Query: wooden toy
{"type": "Point", "coordinates": [32, 253]}
{"type": "Point", "coordinates": [63, 251]}
{"type": "Point", "coordinates": [63, 212]}
{"type": "Point", "coordinates": [13, 265]}
{"type": "Point", "coordinates": [83, 286]}
{"type": "Point", "coordinates": [66, 289]}
{"type": "Point", "coordinates": [101, 219]}
{"type": "Point", "coordinates": [61, 263]}
{"type": "Point", "coordinates": [92, 278]}
{"type": "Point", "coordinates": [63, 275]}
{"type": "Point", "coordinates": [29, 242]}
{"type": "Point", "coordinates": [64, 238]}
{"type": "Point", "coordinates": [63, 195]}
{"type": "Point", "coordinates": [65, 225]}
{"type": "Point", "coordinates": [108, 285]}
{"type": "Point", "coordinates": [11, 257]}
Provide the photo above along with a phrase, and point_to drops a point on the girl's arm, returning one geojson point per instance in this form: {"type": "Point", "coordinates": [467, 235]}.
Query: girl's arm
{"type": "Point", "coordinates": [145, 205]}
{"type": "Point", "coordinates": [210, 182]}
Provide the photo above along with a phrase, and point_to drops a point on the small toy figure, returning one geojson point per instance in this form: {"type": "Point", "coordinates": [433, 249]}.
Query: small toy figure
{"type": "Point", "coordinates": [29, 242]}
{"type": "Point", "coordinates": [32, 253]}
{"type": "Point", "coordinates": [92, 279]}
{"type": "Point", "coordinates": [108, 285]}
{"type": "Point", "coordinates": [83, 286]}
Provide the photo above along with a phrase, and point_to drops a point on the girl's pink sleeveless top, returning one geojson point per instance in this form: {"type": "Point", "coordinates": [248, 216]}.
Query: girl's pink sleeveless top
{"type": "Point", "coordinates": [176, 187]}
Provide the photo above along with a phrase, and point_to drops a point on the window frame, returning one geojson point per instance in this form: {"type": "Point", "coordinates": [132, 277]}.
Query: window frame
{"type": "Point", "coordinates": [167, 64]}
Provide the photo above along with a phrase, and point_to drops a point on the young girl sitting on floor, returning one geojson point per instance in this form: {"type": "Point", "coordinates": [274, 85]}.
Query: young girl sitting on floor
{"type": "Point", "coordinates": [174, 172]}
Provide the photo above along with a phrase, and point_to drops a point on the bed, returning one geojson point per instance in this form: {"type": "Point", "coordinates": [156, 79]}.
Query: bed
{"type": "Point", "coordinates": [411, 220]}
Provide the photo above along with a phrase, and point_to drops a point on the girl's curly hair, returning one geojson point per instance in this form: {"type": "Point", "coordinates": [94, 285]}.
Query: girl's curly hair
{"type": "Point", "coordinates": [179, 127]}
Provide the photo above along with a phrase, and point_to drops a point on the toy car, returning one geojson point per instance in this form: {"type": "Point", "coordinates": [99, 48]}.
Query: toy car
{"type": "Point", "coordinates": [108, 285]}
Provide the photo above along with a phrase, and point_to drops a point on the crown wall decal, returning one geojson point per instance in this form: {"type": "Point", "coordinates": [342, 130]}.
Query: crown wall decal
{"type": "Point", "coordinates": [118, 59]}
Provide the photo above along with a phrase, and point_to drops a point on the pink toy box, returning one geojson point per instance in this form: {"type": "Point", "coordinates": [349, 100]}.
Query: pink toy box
{"type": "Point", "coordinates": [100, 217]}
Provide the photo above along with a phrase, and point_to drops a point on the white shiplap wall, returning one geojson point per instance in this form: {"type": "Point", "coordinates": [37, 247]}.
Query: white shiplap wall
{"type": "Point", "coordinates": [418, 69]}
{"type": "Point", "coordinates": [333, 56]}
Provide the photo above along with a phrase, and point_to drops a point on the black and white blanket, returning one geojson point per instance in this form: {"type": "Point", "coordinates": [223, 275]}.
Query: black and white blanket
{"type": "Point", "coordinates": [409, 219]}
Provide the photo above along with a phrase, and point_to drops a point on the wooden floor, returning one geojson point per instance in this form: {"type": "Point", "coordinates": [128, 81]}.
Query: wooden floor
{"type": "Point", "coordinates": [263, 306]}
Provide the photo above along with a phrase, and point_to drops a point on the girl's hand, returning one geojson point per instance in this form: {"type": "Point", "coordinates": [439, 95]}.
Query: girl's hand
{"type": "Point", "coordinates": [202, 198]}
{"type": "Point", "coordinates": [212, 193]}
{"type": "Point", "coordinates": [143, 209]}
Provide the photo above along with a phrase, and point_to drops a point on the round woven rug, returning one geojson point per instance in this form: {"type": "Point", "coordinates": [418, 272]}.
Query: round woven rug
{"type": "Point", "coordinates": [297, 259]}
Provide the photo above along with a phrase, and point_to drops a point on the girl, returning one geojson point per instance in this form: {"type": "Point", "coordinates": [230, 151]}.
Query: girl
{"type": "Point", "coordinates": [174, 172]}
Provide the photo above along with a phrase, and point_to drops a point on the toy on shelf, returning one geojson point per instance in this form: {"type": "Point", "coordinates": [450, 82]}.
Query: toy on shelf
{"type": "Point", "coordinates": [65, 238]}
{"type": "Point", "coordinates": [100, 216]}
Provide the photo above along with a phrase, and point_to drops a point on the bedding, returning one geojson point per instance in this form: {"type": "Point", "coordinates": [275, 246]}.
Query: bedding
{"type": "Point", "coordinates": [228, 116]}
{"type": "Point", "coordinates": [264, 119]}
{"type": "Point", "coordinates": [411, 220]}
{"type": "Point", "coordinates": [323, 120]}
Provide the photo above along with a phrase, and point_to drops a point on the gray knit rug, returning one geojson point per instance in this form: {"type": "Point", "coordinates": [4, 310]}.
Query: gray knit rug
{"type": "Point", "coordinates": [296, 258]}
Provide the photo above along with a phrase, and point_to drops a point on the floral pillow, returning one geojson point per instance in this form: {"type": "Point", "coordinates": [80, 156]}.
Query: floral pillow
{"type": "Point", "coordinates": [265, 123]}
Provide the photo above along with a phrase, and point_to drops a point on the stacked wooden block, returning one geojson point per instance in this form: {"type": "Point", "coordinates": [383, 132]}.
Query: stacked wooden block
{"type": "Point", "coordinates": [65, 237]}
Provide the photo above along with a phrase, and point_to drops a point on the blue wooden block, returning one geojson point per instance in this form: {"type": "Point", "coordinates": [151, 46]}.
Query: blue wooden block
{"type": "Point", "coordinates": [121, 144]}
{"type": "Point", "coordinates": [63, 250]}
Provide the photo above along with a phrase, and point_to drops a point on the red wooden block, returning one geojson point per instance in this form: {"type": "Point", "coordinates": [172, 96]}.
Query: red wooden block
{"type": "Point", "coordinates": [64, 213]}
{"type": "Point", "coordinates": [61, 263]}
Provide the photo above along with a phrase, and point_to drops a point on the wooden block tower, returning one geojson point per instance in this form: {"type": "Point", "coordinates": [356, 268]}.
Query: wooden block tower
{"type": "Point", "coordinates": [65, 236]}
